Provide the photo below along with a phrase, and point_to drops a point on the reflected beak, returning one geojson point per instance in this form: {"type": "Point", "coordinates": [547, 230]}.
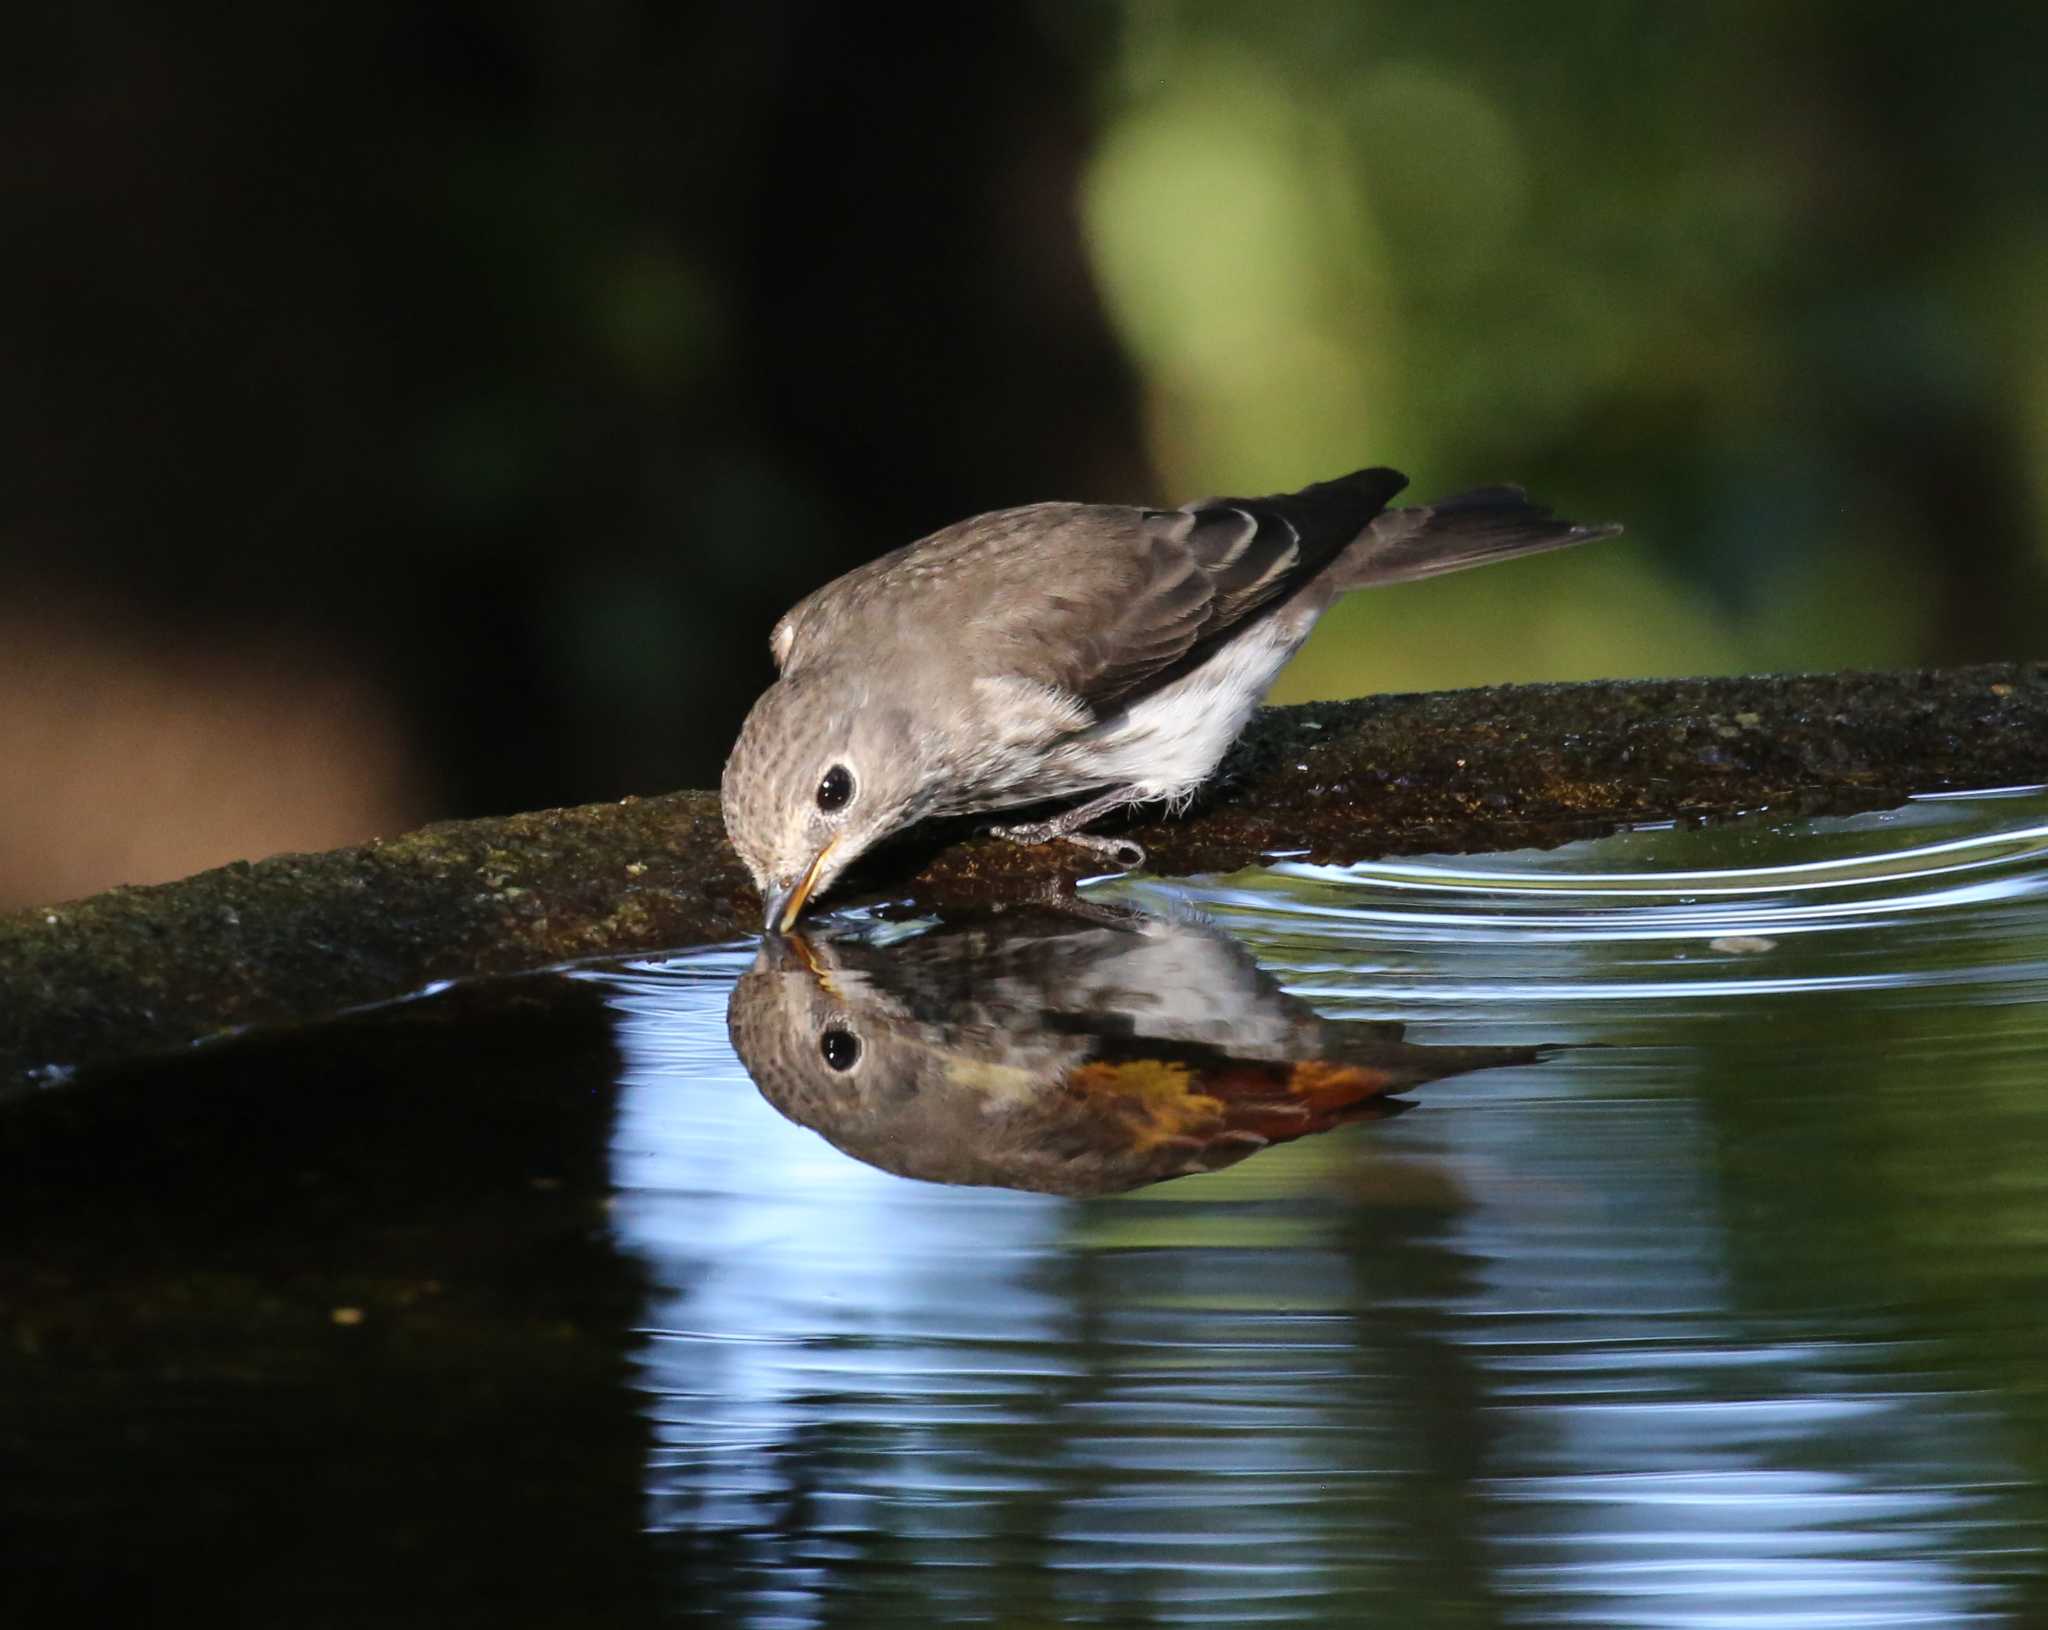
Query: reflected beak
{"type": "Point", "coordinates": [794, 954]}
{"type": "Point", "coordinates": [784, 903]}
{"type": "Point", "coordinates": [786, 954]}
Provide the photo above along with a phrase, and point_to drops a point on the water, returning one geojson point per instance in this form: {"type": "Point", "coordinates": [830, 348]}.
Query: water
{"type": "Point", "coordinates": [1703, 1286]}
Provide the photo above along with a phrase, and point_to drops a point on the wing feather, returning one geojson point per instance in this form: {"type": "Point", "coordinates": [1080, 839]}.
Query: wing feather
{"type": "Point", "coordinates": [1096, 602]}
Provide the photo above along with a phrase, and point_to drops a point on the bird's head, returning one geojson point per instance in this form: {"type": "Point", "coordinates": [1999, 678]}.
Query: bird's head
{"type": "Point", "coordinates": [823, 769]}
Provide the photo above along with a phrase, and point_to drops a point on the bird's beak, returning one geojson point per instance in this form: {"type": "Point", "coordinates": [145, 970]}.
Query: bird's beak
{"type": "Point", "coordinates": [785, 902]}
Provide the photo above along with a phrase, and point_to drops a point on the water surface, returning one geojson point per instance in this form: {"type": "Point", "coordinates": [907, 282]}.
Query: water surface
{"type": "Point", "coordinates": [1701, 1286]}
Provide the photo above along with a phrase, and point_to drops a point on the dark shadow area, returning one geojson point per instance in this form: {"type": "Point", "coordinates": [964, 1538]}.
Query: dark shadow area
{"type": "Point", "coordinates": [507, 374]}
{"type": "Point", "coordinates": [325, 1329]}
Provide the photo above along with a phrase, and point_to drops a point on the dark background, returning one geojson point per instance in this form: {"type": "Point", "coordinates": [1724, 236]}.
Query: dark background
{"type": "Point", "coordinates": [425, 410]}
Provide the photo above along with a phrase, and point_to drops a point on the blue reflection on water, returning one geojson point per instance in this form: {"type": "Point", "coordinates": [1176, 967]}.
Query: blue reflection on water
{"type": "Point", "coordinates": [1566, 1346]}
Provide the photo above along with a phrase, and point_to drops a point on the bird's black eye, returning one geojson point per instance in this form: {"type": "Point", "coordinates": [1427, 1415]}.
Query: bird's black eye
{"type": "Point", "coordinates": [835, 789]}
{"type": "Point", "coordinates": [840, 1048]}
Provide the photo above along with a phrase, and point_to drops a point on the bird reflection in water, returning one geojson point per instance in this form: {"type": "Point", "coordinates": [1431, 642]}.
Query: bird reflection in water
{"type": "Point", "coordinates": [1063, 1053]}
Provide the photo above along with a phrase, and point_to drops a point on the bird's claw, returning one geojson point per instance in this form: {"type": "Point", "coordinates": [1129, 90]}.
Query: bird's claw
{"type": "Point", "coordinates": [1120, 851]}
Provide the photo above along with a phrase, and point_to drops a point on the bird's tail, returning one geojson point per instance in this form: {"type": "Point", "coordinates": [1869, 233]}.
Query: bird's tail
{"type": "Point", "coordinates": [1485, 524]}
{"type": "Point", "coordinates": [1406, 1064]}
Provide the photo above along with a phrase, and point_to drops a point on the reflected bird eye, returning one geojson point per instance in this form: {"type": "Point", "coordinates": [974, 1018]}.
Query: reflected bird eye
{"type": "Point", "coordinates": [840, 1048]}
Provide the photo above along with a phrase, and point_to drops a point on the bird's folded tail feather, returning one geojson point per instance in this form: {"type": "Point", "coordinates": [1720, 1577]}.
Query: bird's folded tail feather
{"type": "Point", "coordinates": [1471, 529]}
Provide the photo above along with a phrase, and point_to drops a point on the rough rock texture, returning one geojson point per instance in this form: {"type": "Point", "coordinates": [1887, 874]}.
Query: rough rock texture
{"type": "Point", "coordinates": [137, 971]}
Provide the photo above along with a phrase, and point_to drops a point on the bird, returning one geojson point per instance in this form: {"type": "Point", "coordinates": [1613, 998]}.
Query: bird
{"type": "Point", "coordinates": [1062, 1052]}
{"type": "Point", "coordinates": [1104, 653]}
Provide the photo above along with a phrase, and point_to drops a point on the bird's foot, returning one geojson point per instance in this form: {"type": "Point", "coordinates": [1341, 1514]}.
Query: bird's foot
{"type": "Point", "coordinates": [1120, 851]}
{"type": "Point", "coordinates": [1066, 827]}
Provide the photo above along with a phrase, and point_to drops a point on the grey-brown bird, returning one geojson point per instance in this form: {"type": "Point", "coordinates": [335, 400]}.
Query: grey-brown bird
{"type": "Point", "coordinates": [1103, 653]}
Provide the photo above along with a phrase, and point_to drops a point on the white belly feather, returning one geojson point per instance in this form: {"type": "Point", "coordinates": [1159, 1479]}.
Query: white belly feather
{"type": "Point", "coordinates": [1168, 743]}
{"type": "Point", "coordinates": [1022, 742]}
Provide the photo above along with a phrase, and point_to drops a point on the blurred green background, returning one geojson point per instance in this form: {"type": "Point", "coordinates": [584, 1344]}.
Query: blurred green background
{"type": "Point", "coordinates": [422, 410]}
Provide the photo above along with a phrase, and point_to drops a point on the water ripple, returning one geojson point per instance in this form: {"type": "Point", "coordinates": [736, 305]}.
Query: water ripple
{"type": "Point", "coordinates": [1720, 1316]}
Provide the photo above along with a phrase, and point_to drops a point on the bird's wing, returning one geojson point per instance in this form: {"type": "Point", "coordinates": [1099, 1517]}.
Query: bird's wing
{"type": "Point", "coordinates": [1089, 604]}
{"type": "Point", "coordinates": [1101, 603]}
{"type": "Point", "coordinates": [1109, 597]}
{"type": "Point", "coordinates": [1209, 569]}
